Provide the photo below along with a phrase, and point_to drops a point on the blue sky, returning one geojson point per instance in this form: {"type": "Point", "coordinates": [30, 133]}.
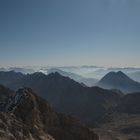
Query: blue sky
{"type": "Point", "coordinates": [69, 32]}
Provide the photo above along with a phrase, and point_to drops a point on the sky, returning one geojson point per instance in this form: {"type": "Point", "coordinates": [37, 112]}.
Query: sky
{"type": "Point", "coordinates": [70, 33]}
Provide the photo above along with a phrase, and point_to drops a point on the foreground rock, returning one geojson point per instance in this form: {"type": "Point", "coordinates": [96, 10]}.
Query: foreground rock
{"type": "Point", "coordinates": [27, 116]}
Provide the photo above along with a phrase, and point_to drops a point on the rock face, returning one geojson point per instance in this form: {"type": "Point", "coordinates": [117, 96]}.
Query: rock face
{"type": "Point", "coordinates": [32, 118]}
{"type": "Point", "coordinates": [118, 80]}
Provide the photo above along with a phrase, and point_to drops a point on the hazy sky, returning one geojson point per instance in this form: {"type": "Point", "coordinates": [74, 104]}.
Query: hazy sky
{"type": "Point", "coordinates": [70, 32]}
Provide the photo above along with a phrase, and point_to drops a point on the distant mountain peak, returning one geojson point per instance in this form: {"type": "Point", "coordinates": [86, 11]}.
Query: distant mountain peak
{"type": "Point", "coordinates": [116, 73]}
{"type": "Point", "coordinates": [120, 73]}
{"type": "Point", "coordinates": [115, 76]}
{"type": "Point", "coordinates": [119, 80]}
{"type": "Point", "coordinates": [54, 74]}
{"type": "Point", "coordinates": [37, 74]}
{"type": "Point", "coordinates": [76, 77]}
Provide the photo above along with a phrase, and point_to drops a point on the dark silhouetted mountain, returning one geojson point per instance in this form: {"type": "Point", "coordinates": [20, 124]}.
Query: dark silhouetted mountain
{"type": "Point", "coordinates": [6, 78]}
{"type": "Point", "coordinates": [70, 97]}
{"type": "Point", "coordinates": [118, 80]}
{"type": "Point", "coordinates": [32, 118]}
{"type": "Point", "coordinates": [87, 81]}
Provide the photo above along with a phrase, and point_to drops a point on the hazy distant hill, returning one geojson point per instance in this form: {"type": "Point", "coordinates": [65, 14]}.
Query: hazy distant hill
{"type": "Point", "coordinates": [135, 76]}
{"type": "Point", "coordinates": [118, 80]}
{"type": "Point", "coordinates": [2, 69]}
{"type": "Point", "coordinates": [23, 70]}
{"type": "Point", "coordinates": [100, 72]}
{"type": "Point", "coordinates": [87, 81]}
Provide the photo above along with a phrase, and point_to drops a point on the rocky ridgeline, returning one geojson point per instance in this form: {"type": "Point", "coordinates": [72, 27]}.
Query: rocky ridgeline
{"type": "Point", "coordinates": [10, 103]}
{"type": "Point", "coordinates": [27, 116]}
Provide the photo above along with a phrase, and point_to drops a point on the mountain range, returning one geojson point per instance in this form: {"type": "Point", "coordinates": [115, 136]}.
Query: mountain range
{"type": "Point", "coordinates": [68, 96]}
{"type": "Point", "coordinates": [87, 81]}
{"type": "Point", "coordinates": [101, 109]}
